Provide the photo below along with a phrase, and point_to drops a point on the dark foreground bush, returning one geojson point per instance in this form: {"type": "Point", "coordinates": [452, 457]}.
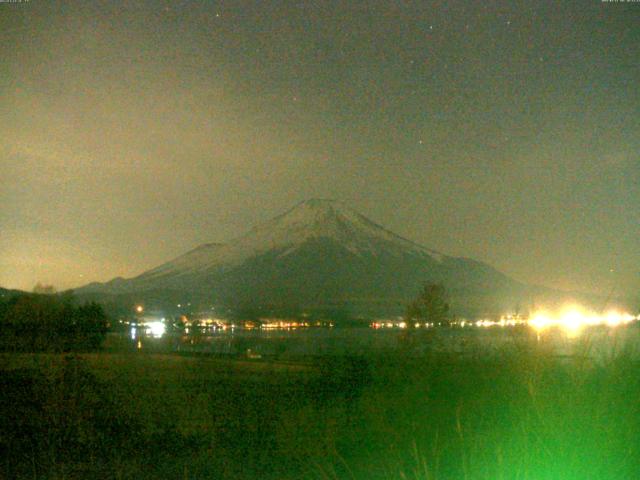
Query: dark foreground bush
{"type": "Point", "coordinates": [518, 415]}
{"type": "Point", "coordinates": [59, 425]}
{"type": "Point", "coordinates": [521, 415]}
{"type": "Point", "coordinates": [50, 323]}
{"type": "Point", "coordinates": [64, 423]}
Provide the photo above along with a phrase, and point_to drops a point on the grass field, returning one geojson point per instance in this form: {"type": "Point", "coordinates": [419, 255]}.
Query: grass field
{"type": "Point", "coordinates": [518, 414]}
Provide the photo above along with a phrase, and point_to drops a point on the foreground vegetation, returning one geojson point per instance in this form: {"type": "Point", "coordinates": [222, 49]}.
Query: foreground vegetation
{"type": "Point", "coordinates": [50, 323]}
{"type": "Point", "coordinates": [519, 414]}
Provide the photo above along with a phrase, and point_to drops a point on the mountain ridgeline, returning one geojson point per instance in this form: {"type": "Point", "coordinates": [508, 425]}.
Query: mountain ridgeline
{"type": "Point", "coordinates": [319, 256]}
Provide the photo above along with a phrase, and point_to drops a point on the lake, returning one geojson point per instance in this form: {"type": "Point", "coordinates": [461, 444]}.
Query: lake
{"type": "Point", "coordinates": [596, 342]}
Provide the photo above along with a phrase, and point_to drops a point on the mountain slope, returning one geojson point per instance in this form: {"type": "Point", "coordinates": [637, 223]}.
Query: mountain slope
{"type": "Point", "coordinates": [312, 219]}
{"type": "Point", "coordinates": [318, 253]}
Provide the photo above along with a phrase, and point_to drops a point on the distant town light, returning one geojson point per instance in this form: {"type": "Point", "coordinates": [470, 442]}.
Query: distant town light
{"type": "Point", "coordinates": [157, 329]}
{"type": "Point", "coordinates": [574, 318]}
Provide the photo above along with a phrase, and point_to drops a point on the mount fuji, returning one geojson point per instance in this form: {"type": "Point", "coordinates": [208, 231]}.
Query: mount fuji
{"type": "Point", "coordinates": [320, 254]}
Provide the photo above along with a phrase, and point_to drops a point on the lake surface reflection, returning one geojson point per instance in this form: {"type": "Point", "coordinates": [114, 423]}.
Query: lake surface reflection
{"type": "Point", "coordinates": [596, 342]}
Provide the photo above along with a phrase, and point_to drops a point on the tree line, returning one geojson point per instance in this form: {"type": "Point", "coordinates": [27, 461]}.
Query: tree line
{"type": "Point", "coordinates": [50, 323]}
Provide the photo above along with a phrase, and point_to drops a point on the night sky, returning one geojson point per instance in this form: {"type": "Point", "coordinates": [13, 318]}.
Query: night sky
{"type": "Point", "coordinates": [132, 131]}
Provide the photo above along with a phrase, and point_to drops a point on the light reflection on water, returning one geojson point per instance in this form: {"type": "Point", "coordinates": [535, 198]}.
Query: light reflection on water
{"type": "Point", "coordinates": [596, 341]}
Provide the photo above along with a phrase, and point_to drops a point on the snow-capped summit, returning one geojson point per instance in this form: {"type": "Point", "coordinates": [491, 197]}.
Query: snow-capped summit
{"type": "Point", "coordinates": [322, 218]}
{"type": "Point", "coordinates": [313, 219]}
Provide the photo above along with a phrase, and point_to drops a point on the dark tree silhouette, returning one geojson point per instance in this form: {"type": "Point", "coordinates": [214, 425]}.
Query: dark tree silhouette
{"type": "Point", "coordinates": [431, 305]}
{"type": "Point", "coordinates": [44, 289]}
{"type": "Point", "coordinates": [32, 322]}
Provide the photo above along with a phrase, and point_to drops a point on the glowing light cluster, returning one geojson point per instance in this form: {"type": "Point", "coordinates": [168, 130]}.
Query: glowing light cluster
{"type": "Point", "coordinates": [398, 324]}
{"type": "Point", "coordinates": [282, 324]}
{"type": "Point", "coordinates": [209, 323]}
{"type": "Point", "coordinates": [157, 329]}
{"type": "Point", "coordinates": [573, 319]}
{"type": "Point", "coordinates": [505, 321]}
